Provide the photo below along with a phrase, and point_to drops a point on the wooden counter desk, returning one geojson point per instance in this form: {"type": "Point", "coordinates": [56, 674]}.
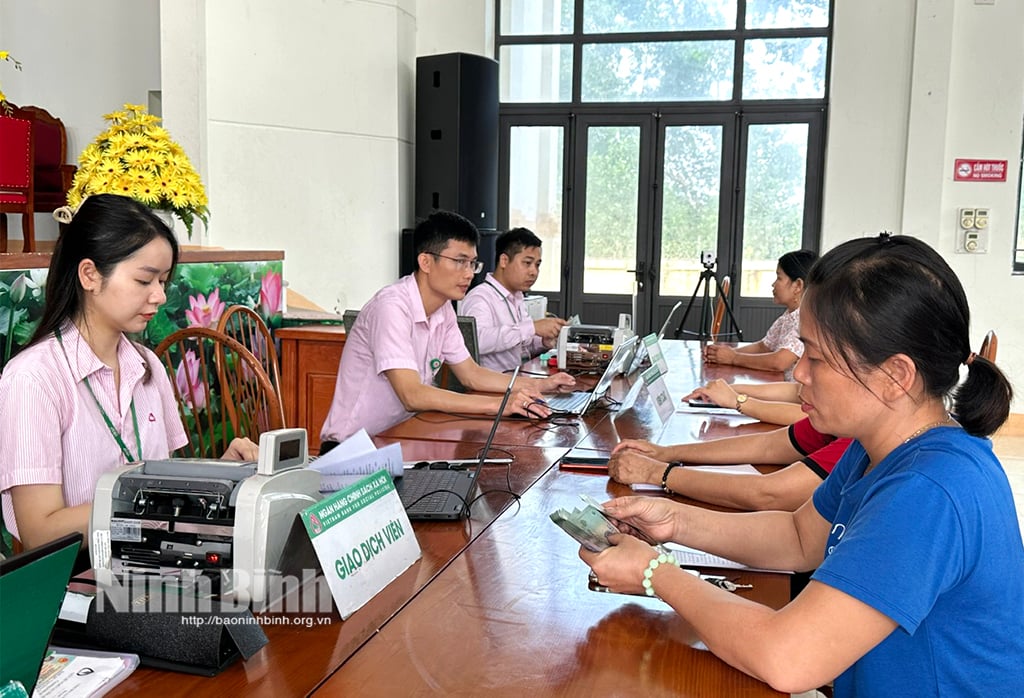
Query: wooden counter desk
{"type": "Point", "coordinates": [520, 616]}
{"type": "Point", "coordinates": [306, 647]}
{"type": "Point", "coordinates": [513, 615]}
{"type": "Point", "coordinates": [513, 431]}
{"type": "Point", "coordinates": [687, 371]}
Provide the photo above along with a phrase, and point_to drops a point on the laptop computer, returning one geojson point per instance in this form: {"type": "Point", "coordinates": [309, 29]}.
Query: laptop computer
{"type": "Point", "coordinates": [445, 494]}
{"type": "Point", "coordinates": [32, 586]}
{"type": "Point", "coordinates": [640, 355]}
{"type": "Point", "coordinates": [580, 401]}
{"type": "Point", "coordinates": [446, 378]}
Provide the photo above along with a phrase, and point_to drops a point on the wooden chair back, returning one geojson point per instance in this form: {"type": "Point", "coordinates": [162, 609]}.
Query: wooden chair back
{"type": "Point", "coordinates": [989, 346]}
{"type": "Point", "coordinates": [246, 326]}
{"type": "Point", "coordinates": [221, 389]}
{"type": "Point", "coordinates": [16, 182]}
{"type": "Point", "coordinates": [723, 292]}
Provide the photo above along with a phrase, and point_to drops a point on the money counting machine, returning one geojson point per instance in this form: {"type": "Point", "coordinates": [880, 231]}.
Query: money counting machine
{"type": "Point", "coordinates": [589, 346]}
{"type": "Point", "coordinates": [222, 519]}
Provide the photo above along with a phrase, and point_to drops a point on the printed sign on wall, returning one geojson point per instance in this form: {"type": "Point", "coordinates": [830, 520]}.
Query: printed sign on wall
{"type": "Point", "coordinates": [968, 170]}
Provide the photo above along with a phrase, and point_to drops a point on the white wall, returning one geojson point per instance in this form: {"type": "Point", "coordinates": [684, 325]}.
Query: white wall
{"type": "Point", "coordinates": [302, 112]}
{"type": "Point", "coordinates": [303, 115]}
{"type": "Point", "coordinates": [915, 86]}
{"type": "Point", "coordinates": [300, 117]}
{"type": "Point", "coordinates": [79, 61]}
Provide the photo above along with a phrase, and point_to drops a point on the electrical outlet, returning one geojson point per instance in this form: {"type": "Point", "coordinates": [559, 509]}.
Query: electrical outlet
{"type": "Point", "coordinates": [972, 233]}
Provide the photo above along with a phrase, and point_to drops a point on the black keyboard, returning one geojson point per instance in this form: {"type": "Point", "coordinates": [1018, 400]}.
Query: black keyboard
{"type": "Point", "coordinates": [414, 494]}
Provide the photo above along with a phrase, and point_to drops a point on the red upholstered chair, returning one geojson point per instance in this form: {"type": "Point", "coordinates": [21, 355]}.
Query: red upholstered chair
{"type": "Point", "coordinates": [51, 173]}
{"type": "Point", "coordinates": [16, 195]}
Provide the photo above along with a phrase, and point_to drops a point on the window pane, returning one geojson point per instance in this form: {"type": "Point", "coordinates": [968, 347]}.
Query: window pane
{"type": "Point", "coordinates": [535, 194]}
{"type": "Point", "coordinates": [664, 71]}
{"type": "Point", "coordinates": [786, 14]}
{"type": "Point", "coordinates": [613, 162]}
{"type": "Point", "coordinates": [773, 215]}
{"type": "Point", "coordinates": [536, 17]}
{"type": "Point", "coordinates": [784, 68]}
{"type": "Point", "coordinates": [536, 73]}
{"type": "Point", "coordinates": [693, 167]}
{"type": "Point", "coordinates": [611, 16]}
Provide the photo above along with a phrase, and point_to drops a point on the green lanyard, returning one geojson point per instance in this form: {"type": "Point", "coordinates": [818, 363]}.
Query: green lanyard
{"type": "Point", "coordinates": [106, 418]}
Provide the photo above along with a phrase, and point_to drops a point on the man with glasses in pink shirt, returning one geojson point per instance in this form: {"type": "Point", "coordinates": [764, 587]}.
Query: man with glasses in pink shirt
{"type": "Point", "coordinates": [408, 330]}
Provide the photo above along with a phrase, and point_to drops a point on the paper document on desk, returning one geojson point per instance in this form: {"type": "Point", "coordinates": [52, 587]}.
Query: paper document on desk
{"type": "Point", "coordinates": [355, 445]}
{"type": "Point", "coordinates": [354, 459]}
{"type": "Point", "coordinates": [78, 672]}
{"type": "Point", "coordinates": [687, 408]}
{"type": "Point", "coordinates": [691, 557]}
{"type": "Point", "coordinates": [746, 469]}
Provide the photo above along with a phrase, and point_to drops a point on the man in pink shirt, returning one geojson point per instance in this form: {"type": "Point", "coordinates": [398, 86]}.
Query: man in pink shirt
{"type": "Point", "coordinates": [407, 331]}
{"type": "Point", "coordinates": [506, 333]}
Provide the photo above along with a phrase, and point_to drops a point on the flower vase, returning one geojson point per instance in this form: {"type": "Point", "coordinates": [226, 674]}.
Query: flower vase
{"type": "Point", "coordinates": [166, 216]}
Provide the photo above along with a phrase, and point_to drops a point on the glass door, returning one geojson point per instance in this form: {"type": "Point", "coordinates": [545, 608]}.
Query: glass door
{"type": "Point", "coordinates": [535, 180]}
{"type": "Point", "coordinates": [610, 265]}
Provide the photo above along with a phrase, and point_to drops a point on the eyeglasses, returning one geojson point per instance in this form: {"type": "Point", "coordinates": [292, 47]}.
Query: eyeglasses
{"type": "Point", "coordinates": [475, 264]}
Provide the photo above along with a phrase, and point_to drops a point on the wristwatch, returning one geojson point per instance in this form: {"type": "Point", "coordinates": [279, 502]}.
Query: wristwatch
{"type": "Point", "coordinates": [740, 399]}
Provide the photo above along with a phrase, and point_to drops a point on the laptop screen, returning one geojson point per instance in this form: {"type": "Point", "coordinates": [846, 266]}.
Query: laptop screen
{"type": "Point", "coordinates": [494, 426]}
{"type": "Point", "coordinates": [616, 365]}
{"type": "Point", "coordinates": [32, 587]}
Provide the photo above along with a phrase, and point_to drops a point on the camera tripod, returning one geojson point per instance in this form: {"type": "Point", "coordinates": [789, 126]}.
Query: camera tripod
{"type": "Point", "coordinates": [707, 277]}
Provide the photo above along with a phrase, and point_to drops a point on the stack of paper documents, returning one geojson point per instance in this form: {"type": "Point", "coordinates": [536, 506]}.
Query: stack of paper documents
{"type": "Point", "coordinates": [354, 459]}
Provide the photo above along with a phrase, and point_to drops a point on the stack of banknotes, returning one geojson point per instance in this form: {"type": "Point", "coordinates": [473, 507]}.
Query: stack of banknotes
{"type": "Point", "coordinates": [589, 525]}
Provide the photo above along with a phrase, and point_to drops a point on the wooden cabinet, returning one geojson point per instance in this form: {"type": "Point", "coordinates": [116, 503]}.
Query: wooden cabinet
{"type": "Point", "coordinates": [309, 370]}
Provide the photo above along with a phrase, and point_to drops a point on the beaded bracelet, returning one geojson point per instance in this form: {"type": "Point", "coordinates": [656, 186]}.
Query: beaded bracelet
{"type": "Point", "coordinates": [664, 477]}
{"type": "Point", "coordinates": [654, 564]}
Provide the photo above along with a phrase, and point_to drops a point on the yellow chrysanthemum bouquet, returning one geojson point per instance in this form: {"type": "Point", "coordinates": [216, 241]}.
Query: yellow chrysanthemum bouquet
{"type": "Point", "coordinates": [136, 157]}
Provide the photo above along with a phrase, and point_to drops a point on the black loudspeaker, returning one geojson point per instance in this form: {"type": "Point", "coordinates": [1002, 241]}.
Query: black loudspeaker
{"type": "Point", "coordinates": [457, 136]}
{"type": "Point", "coordinates": [406, 256]}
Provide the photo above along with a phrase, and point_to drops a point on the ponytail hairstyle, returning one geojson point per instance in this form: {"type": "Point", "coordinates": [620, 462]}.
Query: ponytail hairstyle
{"type": "Point", "coordinates": [873, 298]}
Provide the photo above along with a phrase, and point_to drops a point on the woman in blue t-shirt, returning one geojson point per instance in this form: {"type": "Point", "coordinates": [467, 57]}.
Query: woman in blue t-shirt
{"type": "Point", "coordinates": [919, 587]}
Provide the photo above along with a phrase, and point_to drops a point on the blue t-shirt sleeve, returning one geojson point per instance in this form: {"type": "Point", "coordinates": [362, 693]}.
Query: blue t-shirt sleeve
{"type": "Point", "coordinates": [901, 549]}
{"type": "Point", "coordinates": [828, 494]}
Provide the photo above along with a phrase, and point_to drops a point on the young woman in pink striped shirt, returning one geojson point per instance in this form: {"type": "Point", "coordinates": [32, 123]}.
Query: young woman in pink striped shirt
{"type": "Point", "coordinates": [81, 398]}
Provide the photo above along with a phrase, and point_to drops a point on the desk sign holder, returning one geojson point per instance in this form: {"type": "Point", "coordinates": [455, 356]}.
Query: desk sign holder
{"type": "Point", "coordinates": [362, 538]}
{"type": "Point", "coordinates": [655, 353]}
{"type": "Point", "coordinates": [654, 382]}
